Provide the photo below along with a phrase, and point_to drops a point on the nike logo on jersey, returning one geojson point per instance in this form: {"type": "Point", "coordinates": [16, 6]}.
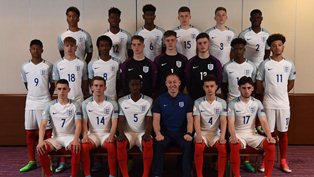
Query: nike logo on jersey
{"type": "Point", "coordinates": [163, 64]}
{"type": "Point", "coordinates": [126, 107]}
{"type": "Point", "coordinates": [194, 67]}
{"type": "Point", "coordinates": [53, 113]}
{"type": "Point", "coordinates": [130, 69]}
{"type": "Point", "coordinates": [61, 69]}
{"type": "Point", "coordinates": [269, 69]}
{"type": "Point", "coordinates": [213, 37]}
{"type": "Point", "coordinates": [97, 68]}
{"type": "Point", "coordinates": [26, 72]}
{"type": "Point", "coordinates": [164, 105]}
{"type": "Point", "coordinates": [90, 110]}
{"type": "Point", "coordinates": [230, 72]}
{"type": "Point", "coordinates": [248, 39]}
{"type": "Point", "coordinates": [202, 111]}
{"type": "Point", "coordinates": [237, 111]}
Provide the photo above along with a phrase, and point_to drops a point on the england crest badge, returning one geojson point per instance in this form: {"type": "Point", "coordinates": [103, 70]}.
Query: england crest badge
{"type": "Point", "coordinates": [178, 64]}
{"type": "Point", "coordinates": [210, 66]}
{"type": "Point", "coordinates": [145, 69]}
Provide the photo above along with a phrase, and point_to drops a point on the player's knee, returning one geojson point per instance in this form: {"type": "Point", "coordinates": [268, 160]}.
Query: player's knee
{"type": "Point", "coordinates": [235, 147]}
{"type": "Point", "coordinates": [199, 148]}
{"type": "Point", "coordinates": [86, 147]}
{"type": "Point", "coordinates": [31, 134]}
{"type": "Point", "coordinates": [273, 134]}
{"type": "Point", "coordinates": [121, 145]}
{"type": "Point", "coordinates": [283, 135]}
{"type": "Point", "coordinates": [109, 146]}
{"type": "Point", "coordinates": [147, 144]}
{"type": "Point", "coordinates": [221, 148]}
{"type": "Point", "coordinates": [74, 149]}
{"type": "Point", "coordinates": [268, 147]}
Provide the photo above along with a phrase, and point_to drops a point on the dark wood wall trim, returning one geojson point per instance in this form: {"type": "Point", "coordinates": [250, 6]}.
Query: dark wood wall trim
{"type": "Point", "coordinates": [12, 119]}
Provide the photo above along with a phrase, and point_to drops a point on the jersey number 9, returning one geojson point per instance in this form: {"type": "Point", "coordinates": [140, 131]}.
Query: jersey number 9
{"type": "Point", "coordinates": [36, 80]}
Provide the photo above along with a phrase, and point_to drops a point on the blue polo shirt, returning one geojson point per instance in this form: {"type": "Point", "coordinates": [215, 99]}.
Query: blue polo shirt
{"type": "Point", "coordinates": [173, 112]}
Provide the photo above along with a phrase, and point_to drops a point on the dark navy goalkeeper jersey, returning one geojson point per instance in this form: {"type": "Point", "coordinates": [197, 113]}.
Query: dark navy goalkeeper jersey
{"type": "Point", "coordinates": [145, 69]}
{"type": "Point", "coordinates": [195, 71]}
{"type": "Point", "coordinates": [167, 64]}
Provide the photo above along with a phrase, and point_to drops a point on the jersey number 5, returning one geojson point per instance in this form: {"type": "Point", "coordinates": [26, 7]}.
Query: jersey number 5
{"type": "Point", "coordinates": [135, 119]}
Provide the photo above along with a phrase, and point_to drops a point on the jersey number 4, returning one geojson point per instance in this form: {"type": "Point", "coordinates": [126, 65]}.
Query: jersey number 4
{"type": "Point", "coordinates": [210, 121]}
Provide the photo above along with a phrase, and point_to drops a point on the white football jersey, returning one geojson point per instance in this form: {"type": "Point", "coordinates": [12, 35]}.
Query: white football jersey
{"type": "Point", "coordinates": [109, 71]}
{"type": "Point", "coordinates": [74, 72]}
{"type": "Point", "coordinates": [210, 113]}
{"type": "Point", "coordinates": [38, 78]}
{"type": "Point", "coordinates": [256, 44]}
{"type": "Point", "coordinates": [186, 41]}
{"type": "Point", "coordinates": [83, 41]}
{"type": "Point", "coordinates": [275, 76]}
{"type": "Point", "coordinates": [245, 114]}
{"type": "Point", "coordinates": [233, 71]}
{"type": "Point", "coordinates": [220, 43]}
{"type": "Point", "coordinates": [121, 42]}
{"type": "Point", "coordinates": [152, 41]}
{"type": "Point", "coordinates": [99, 116]}
{"type": "Point", "coordinates": [135, 112]}
{"type": "Point", "coordinates": [62, 117]}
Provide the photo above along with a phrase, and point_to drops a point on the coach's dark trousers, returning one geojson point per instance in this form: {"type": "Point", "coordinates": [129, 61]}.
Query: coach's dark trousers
{"type": "Point", "coordinates": [173, 139]}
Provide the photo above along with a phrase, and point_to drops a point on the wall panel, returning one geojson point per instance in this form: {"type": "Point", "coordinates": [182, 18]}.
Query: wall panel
{"type": "Point", "coordinates": [15, 30]}
{"type": "Point", "coordinates": [304, 46]}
